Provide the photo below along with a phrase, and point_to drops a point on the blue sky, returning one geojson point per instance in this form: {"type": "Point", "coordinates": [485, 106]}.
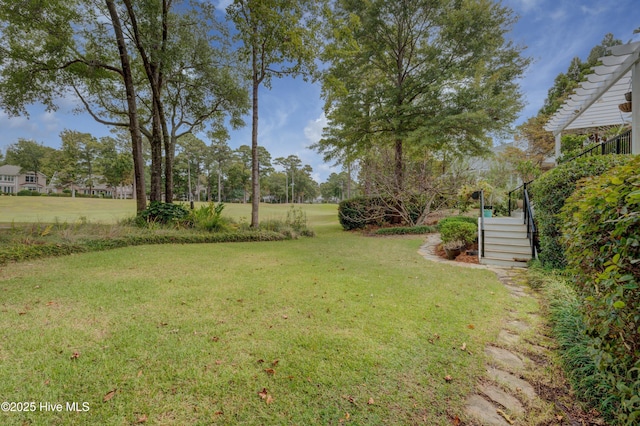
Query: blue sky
{"type": "Point", "coordinates": [291, 117]}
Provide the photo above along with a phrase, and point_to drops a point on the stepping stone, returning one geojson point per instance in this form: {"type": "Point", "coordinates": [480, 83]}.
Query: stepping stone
{"type": "Point", "coordinates": [505, 357]}
{"type": "Point", "coordinates": [512, 382]}
{"type": "Point", "coordinates": [518, 325]}
{"type": "Point", "coordinates": [507, 337]}
{"type": "Point", "coordinates": [484, 411]}
{"type": "Point", "coordinates": [516, 291]}
{"type": "Point", "coordinates": [501, 397]}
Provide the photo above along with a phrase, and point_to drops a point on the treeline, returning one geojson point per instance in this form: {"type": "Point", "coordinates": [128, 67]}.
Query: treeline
{"type": "Point", "coordinates": [202, 172]}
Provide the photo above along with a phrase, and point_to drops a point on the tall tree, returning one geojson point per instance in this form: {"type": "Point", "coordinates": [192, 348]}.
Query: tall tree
{"type": "Point", "coordinates": [422, 72]}
{"type": "Point", "coordinates": [79, 153]}
{"type": "Point", "coordinates": [115, 164]}
{"type": "Point", "coordinates": [28, 154]}
{"type": "Point", "coordinates": [291, 165]}
{"type": "Point", "coordinates": [279, 38]}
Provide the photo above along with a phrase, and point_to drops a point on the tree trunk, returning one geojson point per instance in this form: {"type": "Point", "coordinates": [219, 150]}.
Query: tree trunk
{"type": "Point", "coordinates": [398, 166]}
{"type": "Point", "coordinates": [255, 165]}
{"type": "Point", "coordinates": [156, 157]}
{"type": "Point", "coordinates": [134, 126]}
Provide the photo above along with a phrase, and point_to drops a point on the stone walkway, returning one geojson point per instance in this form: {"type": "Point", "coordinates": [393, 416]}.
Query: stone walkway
{"type": "Point", "coordinates": [505, 397]}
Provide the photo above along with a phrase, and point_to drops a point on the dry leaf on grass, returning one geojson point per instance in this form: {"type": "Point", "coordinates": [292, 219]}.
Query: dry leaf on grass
{"type": "Point", "coordinates": [109, 395]}
{"type": "Point", "coordinates": [142, 419]}
{"type": "Point", "coordinates": [448, 378]}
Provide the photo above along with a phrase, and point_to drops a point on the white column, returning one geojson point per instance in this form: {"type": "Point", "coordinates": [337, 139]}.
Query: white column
{"type": "Point", "coordinates": [558, 145]}
{"type": "Point", "coordinates": [635, 108]}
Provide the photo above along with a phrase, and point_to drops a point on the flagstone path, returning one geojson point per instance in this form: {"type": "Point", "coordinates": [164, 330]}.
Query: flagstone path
{"type": "Point", "coordinates": [505, 397]}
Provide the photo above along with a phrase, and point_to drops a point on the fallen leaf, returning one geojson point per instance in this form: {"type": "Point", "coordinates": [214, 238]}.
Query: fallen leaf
{"type": "Point", "coordinates": [505, 416]}
{"type": "Point", "coordinates": [270, 371]}
{"type": "Point", "coordinates": [269, 399]}
{"type": "Point", "coordinates": [218, 361]}
{"type": "Point", "coordinates": [215, 338]}
{"type": "Point", "coordinates": [347, 416]}
{"type": "Point", "coordinates": [275, 362]}
{"type": "Point", "coordinates": [463, 347]}
{"type": "Point", "coordinates": [142, 419]}
{"type": "Point", "coordinates": [448, 378]}
{"type": "Point", "coordinates": [455, 421]}
{"type": "Point", "coordinates": [139, 373]}
{"type": "Point", "coordinates": [75, 355]}
{"type": "Point", "coordinates": [559, 417]}
{"type": "Point", "coordinates": [285, 317]}
{"type": "Point", "coordinates": [260, 361]}
{"type": "Point", "coordinates": [218, 413]}
{"type": "Point", "coordinates": [471, 326]}
{"type": "Point", "coordinates": [109, 395]}
{"type": "Point", "coordinates": [46, 382]}
{"type": "Point", "coordinates": [263, 393]}
{"type": "Point", "coordinates": [370, 401]}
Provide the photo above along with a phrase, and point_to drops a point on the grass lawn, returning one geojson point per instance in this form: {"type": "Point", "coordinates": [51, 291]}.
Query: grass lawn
{"type": "Point", "coordinates": [337, 328]}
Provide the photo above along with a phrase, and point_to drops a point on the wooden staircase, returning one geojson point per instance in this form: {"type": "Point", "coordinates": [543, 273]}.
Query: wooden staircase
{"type": "Point", "coordinates": [505, 242]}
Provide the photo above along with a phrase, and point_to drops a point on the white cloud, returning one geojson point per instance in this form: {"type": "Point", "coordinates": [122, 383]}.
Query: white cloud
{"type": "Point", "coordinates": [313, 129]}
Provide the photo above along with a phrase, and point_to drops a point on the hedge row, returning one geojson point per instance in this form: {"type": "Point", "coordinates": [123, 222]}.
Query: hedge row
{"type": "Point", "coordinates": [601, 234]}
{"type": "Point", "coordinates": [22, 252]}
{"type": "Point", "coordinates": [549, 193]}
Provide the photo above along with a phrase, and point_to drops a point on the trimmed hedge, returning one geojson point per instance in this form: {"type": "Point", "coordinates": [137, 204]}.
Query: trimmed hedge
{"type": "Point", "coordinates": [456, 230]}
{"type": "Point", "coordinates": [549, 193]}
{"type": "Point", "coordinates": [360, 212]}
{"type": "Point", "coordinates": [601, 227]}
{"type": "Point", "coordinates": [16, 253]}
{"type": "Point", "coordinates": [466, 219]}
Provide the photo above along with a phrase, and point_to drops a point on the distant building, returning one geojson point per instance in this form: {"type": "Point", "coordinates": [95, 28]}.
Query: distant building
{"type": "Point", "coordinates": [12, 180]}
{"type": "Point", "coordinates": [99, 188]}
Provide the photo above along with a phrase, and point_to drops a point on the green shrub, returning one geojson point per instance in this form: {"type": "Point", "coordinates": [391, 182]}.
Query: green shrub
{"type": "Point", "coordinates": [297, 220]}
{"type": "Point", "coordinates": [407, 230]}
{"type": "Point", "coordinates": [459, 230]}
{"type": "Point", "coordinates": [601, 227]}
{"type": "Point", "coordinates": [164, 213]}
{"type": "Point", "coordinates": [549, 193]}
{"type": "Point", "coordinates": [357, 213]}
{"type": "Point", "coordinates": [466, 219]}
{"type": "Point", "coordinates": [209, 217]}
{"type": "Point", "coordinates": [28, 193]}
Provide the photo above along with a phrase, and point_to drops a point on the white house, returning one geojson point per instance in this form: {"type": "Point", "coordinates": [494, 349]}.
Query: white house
{"type": "Point", "coordinates": [12, 180]}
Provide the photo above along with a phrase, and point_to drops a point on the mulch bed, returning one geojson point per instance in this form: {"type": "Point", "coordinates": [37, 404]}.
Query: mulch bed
{"type": "Point", "coordinates": [462, 257]}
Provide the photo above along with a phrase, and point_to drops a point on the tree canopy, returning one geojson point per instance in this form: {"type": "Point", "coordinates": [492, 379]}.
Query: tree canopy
{"type": "Point", "coordinates": [419, 73]}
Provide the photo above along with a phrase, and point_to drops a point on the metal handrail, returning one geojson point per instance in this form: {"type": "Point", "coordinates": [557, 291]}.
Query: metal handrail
{"type": "Point", "coordinates": [532, 232]}
{"type": "Point", "coordinates": [514, 190]}
{"type": "Point", "coordinates": [621, 144]}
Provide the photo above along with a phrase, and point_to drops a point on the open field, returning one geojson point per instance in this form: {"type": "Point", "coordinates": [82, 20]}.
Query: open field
{"type": "Point", "coordinates": [337, 328]}
{"type": "Point", "coordinates": [51, 209]}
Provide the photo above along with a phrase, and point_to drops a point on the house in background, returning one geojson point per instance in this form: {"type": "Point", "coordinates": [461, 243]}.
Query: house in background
{"type": "Point", "coordinates": [12, 180]}
{"type": "Point", "coordinates": [98, 189]}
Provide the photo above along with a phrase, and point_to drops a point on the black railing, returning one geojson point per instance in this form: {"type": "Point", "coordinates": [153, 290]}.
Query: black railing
{"type": "Point", "coordinates": [516, 195]}
{"type": "Point", "coordinates": [621, 144]}
{"type": "Point", "coordinates": [529, 221]}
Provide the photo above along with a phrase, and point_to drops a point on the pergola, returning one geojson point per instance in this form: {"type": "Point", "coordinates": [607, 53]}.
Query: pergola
{"type": "Point", "coordinates": [595, 102]}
